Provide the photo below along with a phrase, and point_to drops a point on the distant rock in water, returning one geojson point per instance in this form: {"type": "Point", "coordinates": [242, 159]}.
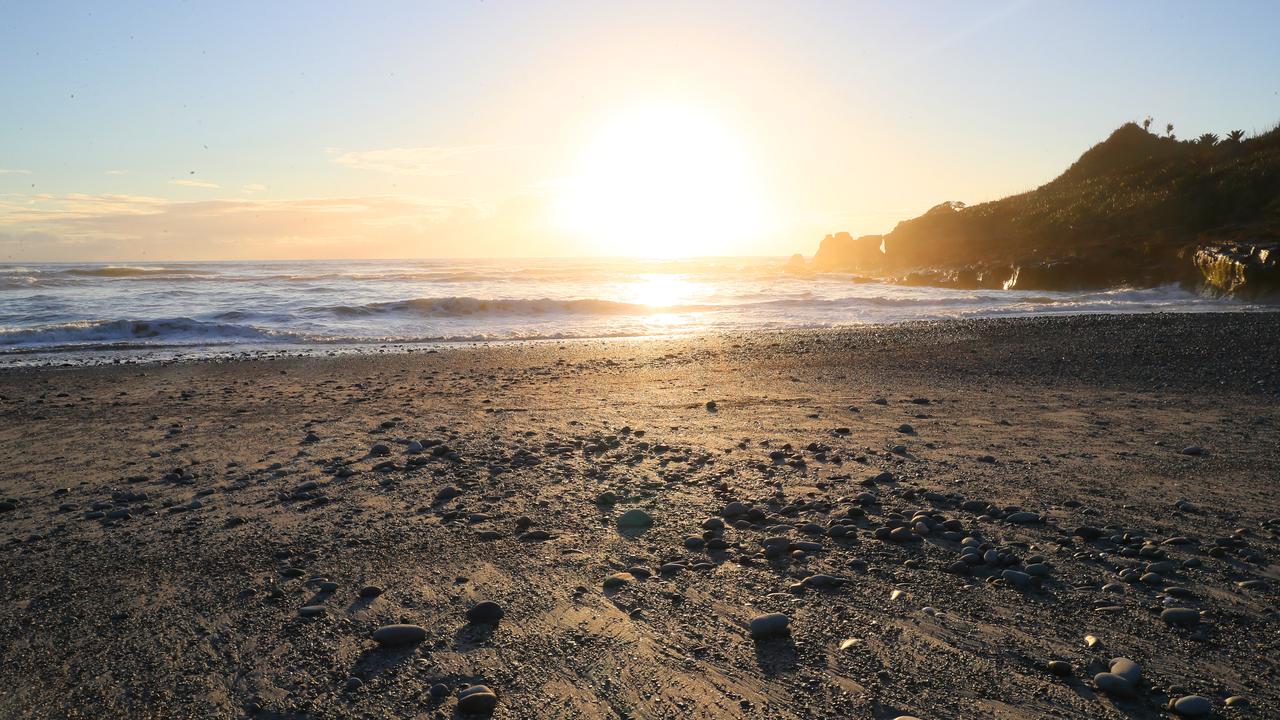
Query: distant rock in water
{"type": "Point", "coordinates": [842, 252]}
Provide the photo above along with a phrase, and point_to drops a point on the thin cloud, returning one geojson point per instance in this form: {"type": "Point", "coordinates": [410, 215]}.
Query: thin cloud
{"type": "Point", "coordinates": [194, 183]}
{"type": "Point", "coordinates": [121, 228]}
{"type": "Point", "coordinates": [8, 171]}
{"type": "Point", "coordinates": [435, 161]}
{"type": "Point", "coordinates": [253, 188]}
{"type": "Point", "coordinates": [117, 172]}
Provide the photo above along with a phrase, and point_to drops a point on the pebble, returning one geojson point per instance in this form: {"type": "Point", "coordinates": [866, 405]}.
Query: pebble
{"type": "Point", "coordinates": [477, 699]}
{"type": "Point", "coordinates": [1185, 617]}
{"type": "Point", "coordinates": [1113, 684]}
{"type": "Point", "coordinates": [370, 591]}
{"type": "Point", "coordinates": [823, 582]}
{"type": "Point", "coordinates": [1192, 706]}
{"type": "Point", "coordinates": [1061, 668]}
{"type": "Point", "coordinates": [635, 518]}
{"type": "Point", "coordinates": [768, 626]}
{"type": "Point", "coordinates": [1016, 578]}
{"type": "Point", "coordinates": [1039, 570]}
{"type": "Point", "coordinates": [396, 635]}
{"type": "Point", "coordinates": [618, 580]}
{"type": "Point", "coordinates": [1023, 517]}
{"type": "Point", "coordinates": [309, 611]}
{"type": "Point", "coordinates": [485, 613]}
{"type": "Point", "coordinates": [1127, 669]}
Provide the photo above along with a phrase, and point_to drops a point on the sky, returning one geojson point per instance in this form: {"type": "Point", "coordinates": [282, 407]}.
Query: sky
{"type": "Point", "coordinates": [251, 130]}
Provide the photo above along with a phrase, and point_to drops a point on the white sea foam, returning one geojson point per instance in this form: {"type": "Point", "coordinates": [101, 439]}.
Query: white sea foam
{"type": "Point", "coordinates": [203, 306]}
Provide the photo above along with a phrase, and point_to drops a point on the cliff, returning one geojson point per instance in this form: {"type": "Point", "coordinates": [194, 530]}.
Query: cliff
{"type": "Point", "coordinates": [1136, 209]}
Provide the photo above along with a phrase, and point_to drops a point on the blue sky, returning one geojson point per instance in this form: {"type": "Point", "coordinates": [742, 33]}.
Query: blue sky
{"type": "Point", "coordinates": [281, 129]}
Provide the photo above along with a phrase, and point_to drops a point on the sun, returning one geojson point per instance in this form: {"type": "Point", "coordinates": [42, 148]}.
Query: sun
{"type": "Point", "coordinates": [663, 181]}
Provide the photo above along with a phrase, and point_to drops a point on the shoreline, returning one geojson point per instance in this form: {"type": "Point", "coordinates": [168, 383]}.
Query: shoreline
{"type": "Point", "coordinates": [144, 354]}
{"type": "Point", "coordinates": [191, 539]}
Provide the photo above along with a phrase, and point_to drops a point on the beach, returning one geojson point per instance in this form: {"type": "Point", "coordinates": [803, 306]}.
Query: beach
{"type": "Point", "coordinates": [223, 538]}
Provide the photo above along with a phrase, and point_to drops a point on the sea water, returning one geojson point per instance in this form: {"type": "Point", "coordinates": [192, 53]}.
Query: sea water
{"type": "Point", "coordinates": [91, 312]}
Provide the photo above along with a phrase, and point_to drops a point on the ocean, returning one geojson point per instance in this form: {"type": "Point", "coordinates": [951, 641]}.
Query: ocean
{"type": "Point", "coordinates": [110, 312]}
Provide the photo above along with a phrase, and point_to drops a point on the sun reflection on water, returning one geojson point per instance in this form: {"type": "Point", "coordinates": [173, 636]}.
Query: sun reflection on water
{"type": "Point", "coordinates": [660, 292]}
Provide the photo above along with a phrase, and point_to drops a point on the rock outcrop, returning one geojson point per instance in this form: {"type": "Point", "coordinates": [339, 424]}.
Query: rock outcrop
{"type": "Point", "coordinates": [1132, 211]}
{"type": "Point", "coordinates": [844, 252]}
{"type": "Point", "coordinates": [1250, 271]}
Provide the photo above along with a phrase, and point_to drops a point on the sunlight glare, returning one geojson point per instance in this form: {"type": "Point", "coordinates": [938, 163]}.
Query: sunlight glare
{"type": "Point", "coordinates": [660, 291]}
{"type": "Point", "coordinates": [664, 181]}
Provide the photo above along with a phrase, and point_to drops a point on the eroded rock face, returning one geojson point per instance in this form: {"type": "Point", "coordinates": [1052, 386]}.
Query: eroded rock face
{"type": "Point", "coordinates": [1242, 270]}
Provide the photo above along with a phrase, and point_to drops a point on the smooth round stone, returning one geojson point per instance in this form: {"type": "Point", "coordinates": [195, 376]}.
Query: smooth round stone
{"type": "Point", "coordinates": [353, 684]}
{"type": "Point", "coordinates": [1185, 617]}
{"type": "Point", "coordinates": [768, 626]}
{"type": "Point", "coordinates": [906, 717]}
{"type": "Point", "coordinates": [396, 635]}
{"type": "Point", "coordinates": [1192, 706]}
{"type": "Point", "coordinates": [370, 591]}
{"type": "Point", "coordinates": [1039, 570]}
{"type": "Point", "coordinates": [485, 613]}
{"type": "Point", "coordinates": [1061, 668]}
{"type": "Point", "coordinates": [694, 542]}
{"type": "Point", "coordinates": [823, 582]}
{"type": "Point", "coordinates": [1127, 669]}
{"type": "Point", "coordinates": [439, 690]}
{"type": "Point", "coordinates": [1237, 701]}
{"type": "Point", "coordinates": [1016, 578]}
{"type": "Point", "coordinates": [1023, 518]}
{"type": "Point", "coordinates": [477, 699]}
{"type": "Point", "coordinates": [902, 534]}
{"type": "Point", "coordinates": [309, 611]}
{"type": "Point", "coordinates": [618, 580]}
{"type": "Point", "coordinates": [635, 518]}
{"type": "Point", "coordinates": [1113, 684]}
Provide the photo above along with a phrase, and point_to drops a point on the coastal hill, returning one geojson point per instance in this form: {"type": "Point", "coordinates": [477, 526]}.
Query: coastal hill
{"type": "Point", "coordinates": [1137, 209]}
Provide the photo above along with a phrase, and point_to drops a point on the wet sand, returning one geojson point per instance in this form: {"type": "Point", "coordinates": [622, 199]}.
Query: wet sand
{"type": "Point", "coordinates": [163, 526]}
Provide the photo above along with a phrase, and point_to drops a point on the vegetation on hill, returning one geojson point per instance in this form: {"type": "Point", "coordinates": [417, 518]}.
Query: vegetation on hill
{"type": "Point", "coordinates": [1133, 209]}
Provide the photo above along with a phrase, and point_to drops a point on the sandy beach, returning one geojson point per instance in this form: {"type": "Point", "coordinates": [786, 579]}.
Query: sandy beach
{"type": "Point", "coordinates": [224, 539]}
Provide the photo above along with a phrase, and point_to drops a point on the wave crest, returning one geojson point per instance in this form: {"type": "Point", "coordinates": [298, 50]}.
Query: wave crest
{"type": "Point", "coordinates": [468, 306]}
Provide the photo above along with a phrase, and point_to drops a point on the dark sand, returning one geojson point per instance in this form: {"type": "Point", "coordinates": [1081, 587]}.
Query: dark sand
{"type": "Point", "coordinates": [181, 608]}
